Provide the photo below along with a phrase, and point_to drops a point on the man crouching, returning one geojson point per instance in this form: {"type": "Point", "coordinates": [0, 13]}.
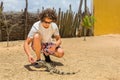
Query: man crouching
{"type": "Point", "coordinates": [40, 38]}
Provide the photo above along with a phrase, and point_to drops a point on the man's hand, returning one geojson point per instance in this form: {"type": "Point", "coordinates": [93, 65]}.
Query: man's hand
{"type": "Point", "coordinates": [31, 59]}
{"type": "Point", "coordinates": [52, 48]}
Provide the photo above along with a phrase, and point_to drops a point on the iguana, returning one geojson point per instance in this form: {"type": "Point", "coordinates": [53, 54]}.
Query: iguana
{"type": "Point", "coordinates": [52, 69]}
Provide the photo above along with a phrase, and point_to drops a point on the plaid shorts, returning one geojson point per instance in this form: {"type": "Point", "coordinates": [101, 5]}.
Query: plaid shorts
{"type": "Point", "coordinates": [46, 48]}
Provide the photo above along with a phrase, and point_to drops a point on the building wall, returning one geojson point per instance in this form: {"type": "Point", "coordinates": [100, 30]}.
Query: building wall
{"type": "Point", "coordinates": [107, 14]}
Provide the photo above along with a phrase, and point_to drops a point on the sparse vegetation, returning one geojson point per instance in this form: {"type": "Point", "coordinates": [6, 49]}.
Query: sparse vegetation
{"type": "Point", "coordinates": [68, 23]}
{"type": "Point", "coordinates": [87, 22]}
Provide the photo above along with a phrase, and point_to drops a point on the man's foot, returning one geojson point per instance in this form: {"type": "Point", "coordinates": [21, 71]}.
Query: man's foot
{"type": "Point", "coordinates": [36, 64]}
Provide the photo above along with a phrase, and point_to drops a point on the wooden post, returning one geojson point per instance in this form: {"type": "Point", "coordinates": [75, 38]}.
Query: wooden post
{"type": "Point", "coordinates": [26, 18]}
{"type": "Point", "coordinates": [1, 10]}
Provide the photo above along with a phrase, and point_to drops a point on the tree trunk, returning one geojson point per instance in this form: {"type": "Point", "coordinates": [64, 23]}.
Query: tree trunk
{"type": "Point", "coordinates": [8, 40]}
{"type": "Point", "coordinates": [84, 34]}
{"type": "Point", "coordinates": [26, 18]}
{"type": "Point", "coordinates": [0, 35]}
{"type": "Point", "coordinates": [1, 9]}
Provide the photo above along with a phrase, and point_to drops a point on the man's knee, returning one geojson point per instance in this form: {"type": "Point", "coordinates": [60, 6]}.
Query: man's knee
{"type": "Point", "coordinates": [37, 36]}
{"type": "Point", "coordinates": [60, 53]}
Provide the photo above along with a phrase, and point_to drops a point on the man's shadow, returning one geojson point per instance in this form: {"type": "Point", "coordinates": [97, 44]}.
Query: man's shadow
{"type": "Point", "coordinates": [28, 66]}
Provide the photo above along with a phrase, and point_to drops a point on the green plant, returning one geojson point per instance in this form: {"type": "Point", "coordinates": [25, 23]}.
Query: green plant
{"type": "Point", "coordinates": [87, 23]}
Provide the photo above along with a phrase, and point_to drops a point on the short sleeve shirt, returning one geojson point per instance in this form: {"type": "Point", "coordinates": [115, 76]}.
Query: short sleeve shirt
{"type": "Point", "coordinates": [46, 33]}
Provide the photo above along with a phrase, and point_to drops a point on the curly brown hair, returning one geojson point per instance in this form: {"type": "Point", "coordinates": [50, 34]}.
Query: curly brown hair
{"type": "Point", "coordinates": [49, 13]}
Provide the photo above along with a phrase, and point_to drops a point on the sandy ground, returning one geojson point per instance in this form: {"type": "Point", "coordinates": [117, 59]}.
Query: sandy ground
{"type": "Point", "coordinates": [98, 58]}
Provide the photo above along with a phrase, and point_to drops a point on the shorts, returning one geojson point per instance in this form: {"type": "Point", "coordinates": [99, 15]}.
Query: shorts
{"type": "Point", "coordinates": [46, 48]}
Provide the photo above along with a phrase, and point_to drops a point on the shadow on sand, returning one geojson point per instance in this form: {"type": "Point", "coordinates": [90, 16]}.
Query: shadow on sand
{"type": "Point", "coordinates": [28, 66]}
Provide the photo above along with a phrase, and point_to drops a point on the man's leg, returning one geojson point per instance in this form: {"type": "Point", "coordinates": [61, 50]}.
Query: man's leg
{"type": "Point", "coordinates": [37, 45]}
{"type": "Point", "coordinates": [47, 58]}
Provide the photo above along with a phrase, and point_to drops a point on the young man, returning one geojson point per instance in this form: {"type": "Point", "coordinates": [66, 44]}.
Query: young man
{"type": "Point", "coordinates": [40, 37]}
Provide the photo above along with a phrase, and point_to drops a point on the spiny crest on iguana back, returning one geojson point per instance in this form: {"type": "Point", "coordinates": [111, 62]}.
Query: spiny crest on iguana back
{"type": "Point", "coordinates": [52, 69]}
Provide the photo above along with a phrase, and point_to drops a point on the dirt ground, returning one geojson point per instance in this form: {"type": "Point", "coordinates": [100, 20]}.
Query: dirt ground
{"type": "Point", "coordinates": [97, 58]}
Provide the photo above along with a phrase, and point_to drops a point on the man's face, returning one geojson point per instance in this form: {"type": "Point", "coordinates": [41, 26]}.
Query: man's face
{"type": "Point", "coordinates": [46, 23]}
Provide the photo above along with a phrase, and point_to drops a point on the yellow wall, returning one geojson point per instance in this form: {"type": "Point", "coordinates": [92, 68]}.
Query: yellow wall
{"type": "Point", "coordinates": [107, 14]}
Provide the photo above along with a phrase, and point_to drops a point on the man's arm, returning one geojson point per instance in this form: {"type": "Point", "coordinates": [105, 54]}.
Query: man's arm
{"type": "Point", "coordinates": [26, 46]}
{"type": "Point", "coordinates": [27, 49]}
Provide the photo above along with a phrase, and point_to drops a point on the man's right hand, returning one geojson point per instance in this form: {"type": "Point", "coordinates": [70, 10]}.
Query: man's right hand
{"type": "Point", "coordinates": [31, 59]}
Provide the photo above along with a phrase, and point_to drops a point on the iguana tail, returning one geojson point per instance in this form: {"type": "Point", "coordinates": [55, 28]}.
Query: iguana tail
{"type": "Point", "coordinates": [56, 71]}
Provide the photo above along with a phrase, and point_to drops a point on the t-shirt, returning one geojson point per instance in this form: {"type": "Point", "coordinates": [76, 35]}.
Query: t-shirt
{"type": "Point", "coordinates": [46, 33]}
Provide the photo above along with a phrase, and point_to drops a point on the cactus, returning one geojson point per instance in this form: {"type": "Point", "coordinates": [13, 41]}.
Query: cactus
{"type": "Point", "coordinates": [67, 22]}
